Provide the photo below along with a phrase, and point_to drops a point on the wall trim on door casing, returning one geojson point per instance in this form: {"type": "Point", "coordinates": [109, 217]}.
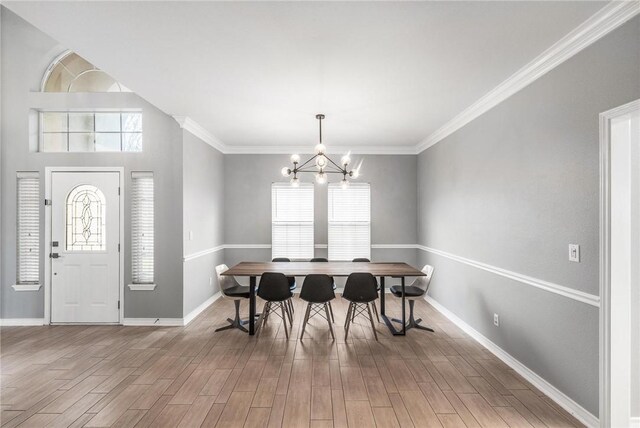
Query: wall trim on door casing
{"type": "Point", "coordinates": [47, 231]}
{"type": "Point", "coordinates": [605, 255]}
{"type": "Point", "coordinates": [564, 401]}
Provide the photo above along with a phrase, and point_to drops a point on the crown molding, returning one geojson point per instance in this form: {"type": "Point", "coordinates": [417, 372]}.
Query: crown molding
{"type": "Point", "coordinates": [607, 19]}
{"type": "Point", "coordinates": [196, 129]}
{"type": "Point", "coordinates": [331, 150]}
{"type": "Point", "coordinates": [192, 126]}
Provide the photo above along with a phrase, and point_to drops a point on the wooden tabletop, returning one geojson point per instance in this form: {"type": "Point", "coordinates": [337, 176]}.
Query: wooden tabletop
{"type": "Point", "coordinates": [328, 268]}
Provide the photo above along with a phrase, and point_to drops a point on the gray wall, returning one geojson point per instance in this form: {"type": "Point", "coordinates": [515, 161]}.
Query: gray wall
{"type": "Point", "coordinates": [203, 216]}
{"type": "Point", "coordinates": [26, 53]}
{"type": "Point", "coordinates": [247, 209]}
{"type": "Point", "coordinates": [512, 189]}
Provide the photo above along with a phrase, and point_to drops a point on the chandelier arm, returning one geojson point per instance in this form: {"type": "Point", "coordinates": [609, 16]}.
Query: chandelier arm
{"type": "Point", "coordinates": [337, 166]}
{"type": "Point", "coordinates": [308, 160]}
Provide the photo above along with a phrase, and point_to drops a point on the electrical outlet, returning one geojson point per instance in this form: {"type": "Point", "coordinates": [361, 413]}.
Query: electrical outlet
{"type": "Point", "coordinates": [496, 320]}
{"type": "Point", "coordinates": [574, 253]}
{"type": "Point", "coordinates": [191, 235]}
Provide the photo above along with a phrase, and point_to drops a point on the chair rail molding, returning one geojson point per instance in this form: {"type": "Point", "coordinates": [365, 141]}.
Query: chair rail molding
{"type": "Point", "coordinates": [577, 295]}
{"type": "Point", "coordinates": [607, 19]}
{"type": "Point", "coordinates": [564, 401]}
{"type": "Point", "coordinates": [201, 253]}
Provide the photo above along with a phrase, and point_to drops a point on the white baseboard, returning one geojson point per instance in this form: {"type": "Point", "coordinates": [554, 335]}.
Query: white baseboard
{"type": "Point", "coordinates": [551, 391]}
{"type": "Point", "coordinates": [10, 322]}
{"type": "Point", "coordinates": [194, 313]}
{"type": "Point", "coordinates": [164, 322]}
{"type": "Point", "coordinates": [634, 422]}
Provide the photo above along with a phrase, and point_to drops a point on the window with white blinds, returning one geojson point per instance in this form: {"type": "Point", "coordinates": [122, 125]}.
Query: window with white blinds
{"type": "Point", "coordinates": [142, 227]}
{"type": "Point", "coordinates": [349, 221]}
{"type": "Point", "coordinates": [28, 216]}
{"type": "Point", "coordinates": [292, 220]}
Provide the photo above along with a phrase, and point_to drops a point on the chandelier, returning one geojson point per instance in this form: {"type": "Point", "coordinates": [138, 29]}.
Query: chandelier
{"type": "Point", "coordinates": [321, 164]}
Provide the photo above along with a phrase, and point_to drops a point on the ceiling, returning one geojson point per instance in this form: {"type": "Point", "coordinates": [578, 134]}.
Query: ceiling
{"type": "Point", "coordinates": [385, 74]}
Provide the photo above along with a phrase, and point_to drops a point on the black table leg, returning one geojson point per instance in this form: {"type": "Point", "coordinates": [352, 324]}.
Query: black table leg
{"type": "Point", "coordinates": [383, 315]}
{"type": "Point", "coordinates": [404, 316]}
{"type": "Point", "coordinates": [252, 305]}
{"type": "Point", "coordinates": [382, 308]}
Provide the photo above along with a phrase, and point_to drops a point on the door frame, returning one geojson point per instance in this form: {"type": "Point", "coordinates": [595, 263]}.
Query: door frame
{"type": "Point", "coordinates": [605, 255]}
{"type": "Point", "coordinates": [48, 229]}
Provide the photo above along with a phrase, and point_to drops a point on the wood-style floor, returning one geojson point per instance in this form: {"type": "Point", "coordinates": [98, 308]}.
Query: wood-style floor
{"type": "Point", "coordinates": [98, 376]}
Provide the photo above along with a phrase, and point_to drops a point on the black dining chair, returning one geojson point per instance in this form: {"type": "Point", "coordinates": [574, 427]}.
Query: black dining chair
{"type": "Point", "coordinates": [333, 282]}
{"type": "Point", "coordinates": [360, 290]}
{"type": "Point", "coordinates": [366, 260]}
{"type": "Point", "coordinates": [291, 279]}
{"type": "Point", "coordinates": [274, 289]}
{"type": "Point", "coordinates": [417, 290]}
{"type": "Point", "coordinates": [318, 292]}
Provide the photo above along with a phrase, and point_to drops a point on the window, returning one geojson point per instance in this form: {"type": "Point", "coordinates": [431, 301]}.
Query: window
{"type": "Point", "coordinates": [142, 227]}
{"type": "Point", "coordinates": [72, 73]}
{"type": "Point", "coordinates": [349, 221]}
{"type": "Point", "coordinates": [89, 131]}
{"type": "Point", "coordinates": [292, 220]}
{"type": "Point", "coordinates": [85, 224]}
{"type": "Point", "coordinates": [28, 230]}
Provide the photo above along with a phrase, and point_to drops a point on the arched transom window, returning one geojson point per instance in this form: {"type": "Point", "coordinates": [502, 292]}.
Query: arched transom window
{"type": "Point", "coordinates": [72, 73]}
{"type": "Point", "coordinates": [86, 219]}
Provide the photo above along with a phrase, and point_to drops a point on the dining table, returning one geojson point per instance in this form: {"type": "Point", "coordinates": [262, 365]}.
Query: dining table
{"type": "Point", "coordinates": [380, 270]}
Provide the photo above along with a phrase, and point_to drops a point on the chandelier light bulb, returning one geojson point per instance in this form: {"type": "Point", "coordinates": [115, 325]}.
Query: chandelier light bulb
{"type": "Point", "coordinates": [321, 161]}
{"type": "Point", "coordinates": [295, 158]}
{"type": "Point", "coordinates": [285, 172]}
{"type": "Point", "coordinates": [295, 182]}
{"type": "Point", "coordinates": [355, 173]}
{"type": "Point", "coordinates": [320, 149]}
{"type": "Point", "coordinates": [321, 178]}
{"type": "Point", "coordinates": [345, 160]}
{"type": "Point", "coordinates": [344, 184]}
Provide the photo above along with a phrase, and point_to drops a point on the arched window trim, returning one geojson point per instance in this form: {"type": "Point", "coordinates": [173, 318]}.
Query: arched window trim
{"type": "Point", "coordinates": [58, 60]}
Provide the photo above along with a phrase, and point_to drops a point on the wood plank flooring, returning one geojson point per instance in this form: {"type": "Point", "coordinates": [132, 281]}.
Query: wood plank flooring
{"type": "Point", "coordinates": [99, 376]}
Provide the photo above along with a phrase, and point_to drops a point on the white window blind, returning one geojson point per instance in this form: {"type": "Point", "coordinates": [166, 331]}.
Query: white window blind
{"type": "Point", "coordinates": [349, 221]}
{"type": "Point", "coordinates": [292, 220]}
{"type": "Point", "coordinates": [142, 227]}
{"type": "Point", "coordinates": [28, 268]}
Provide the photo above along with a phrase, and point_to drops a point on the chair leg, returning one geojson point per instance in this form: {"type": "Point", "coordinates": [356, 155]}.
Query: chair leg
{"type": "Point", "coordinates": [326, 311]}
{"type": "Point", "coordinates": [348, 318]}
{"type": "Point", "coordinates": [333, 319]}
{"type": "Point", "coordinates": [375, 310]}
{"type": "Point", "coordinates": [346, 333]}
{"type": "Point", "coordinates": [287, 305]}
{"type": "Point", "coordinates": [373, 326]}
{"type": "Point", "coordinates": [263, 318]}
{"type": "Point", "coordinates": [236, 322]}
{"type": "Point", "coordinates": [306, 319]}
{"type": "Point", "coordinates": [284, 319]}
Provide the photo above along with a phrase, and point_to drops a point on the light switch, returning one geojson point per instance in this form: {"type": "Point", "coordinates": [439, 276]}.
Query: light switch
{"type": "Point", "coordinates": [574, 253]}
{"type": "Point", "coordinates": [191, 235]}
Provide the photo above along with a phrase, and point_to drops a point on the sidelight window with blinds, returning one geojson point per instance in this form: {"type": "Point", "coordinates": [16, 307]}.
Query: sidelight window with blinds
{"type": "Point", "coordinates": [292, 220]}
{"type": "Point", "coordinates": [28, 228]}
{"type": "Point", "coordinates": [142, 233]}
{"type": "Point", "coordinates": [349, 219]}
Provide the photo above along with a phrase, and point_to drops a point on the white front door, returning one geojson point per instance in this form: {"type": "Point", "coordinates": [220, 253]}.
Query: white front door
{"type": "Point", "coordinates": [85, 234]}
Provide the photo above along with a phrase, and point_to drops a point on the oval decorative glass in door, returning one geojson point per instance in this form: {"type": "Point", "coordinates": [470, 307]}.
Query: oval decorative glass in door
{"type": "Point", "coordinates": [85, 225]}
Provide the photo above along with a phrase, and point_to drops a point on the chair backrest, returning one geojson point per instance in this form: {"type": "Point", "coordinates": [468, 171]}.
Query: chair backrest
{"type": "Point", "coordinates": [361, 288]}
{"type": "Point", "coordinates": [319, 260]}
{"type": "Point", "coordinates": [274, 287]}
{"type": "Point", "coordinates": [224, 281]}
{"type": "Point", "coordinates": [281, 259]}
{"type": "Point", "coordinates": [423, 282]}
{"type": "Point", "coordinates": [361, 259]}
{"type": "Point", "coordinates": [317, 288]}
